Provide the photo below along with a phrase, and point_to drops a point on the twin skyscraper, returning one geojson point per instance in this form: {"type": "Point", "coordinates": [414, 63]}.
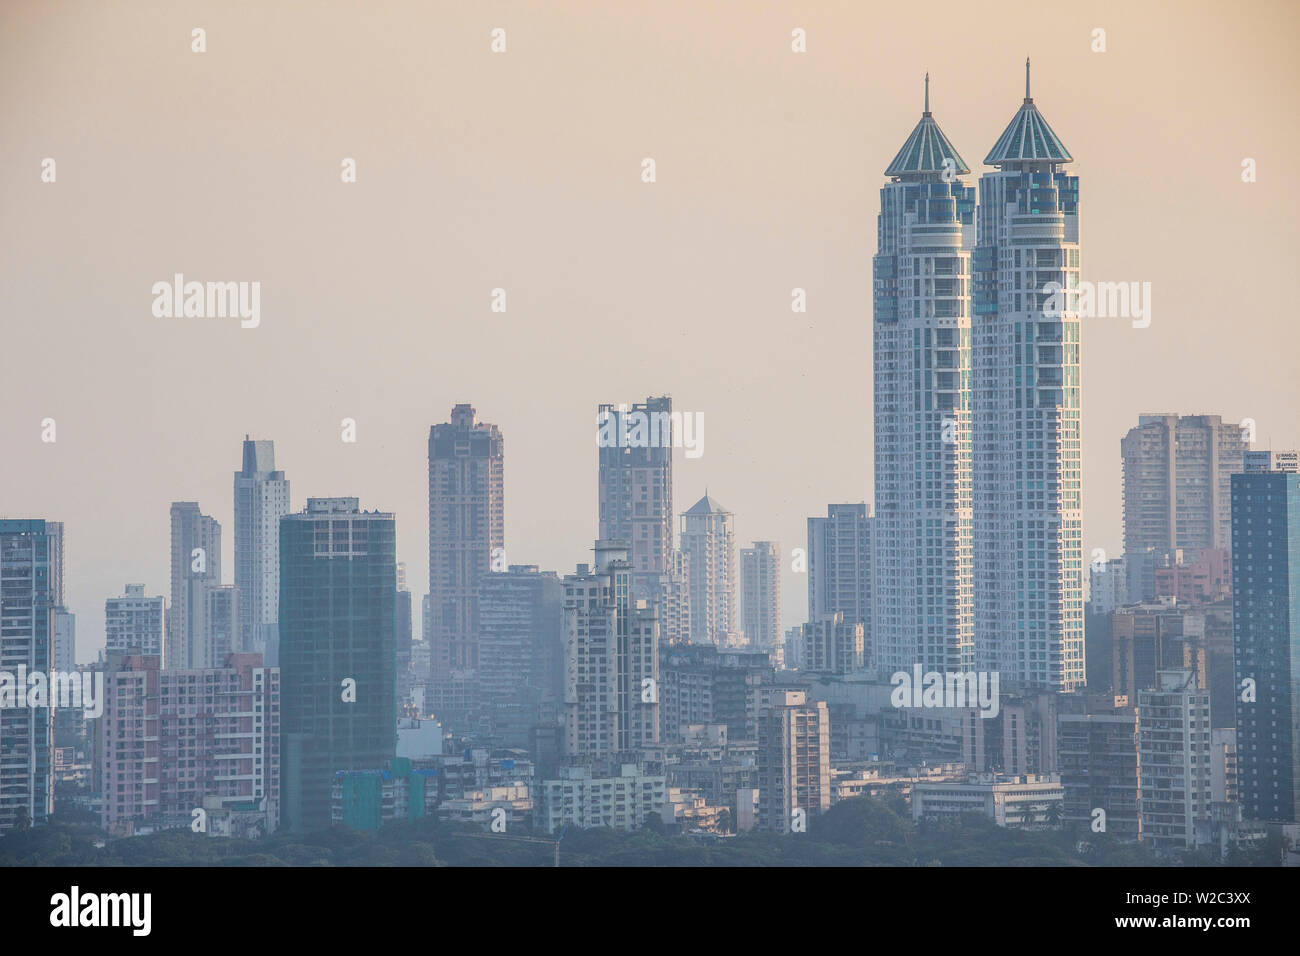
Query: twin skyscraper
{"type": "Point", "coordinates": [978, 459]}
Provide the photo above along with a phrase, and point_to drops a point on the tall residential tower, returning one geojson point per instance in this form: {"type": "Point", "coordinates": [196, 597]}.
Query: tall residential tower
{"type": "Point", "coordinates": [261, 500]}
{"type": "Point", "coordinates": [1027, 468]}
{"type": "Point", "coordinates": [922, 327]}
{"type": "Point", "coordinates": [466, 525]}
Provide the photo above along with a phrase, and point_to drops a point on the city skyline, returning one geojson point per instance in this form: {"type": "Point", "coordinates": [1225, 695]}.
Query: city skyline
{"type": "Point", "coordinates": [711, 222]}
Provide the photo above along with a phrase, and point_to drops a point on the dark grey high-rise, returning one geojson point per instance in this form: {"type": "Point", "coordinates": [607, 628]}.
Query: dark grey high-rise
{"type": "Point", "coordinates": [1266, 642]}
{"type": "Point", "coordinates": [338, 640]}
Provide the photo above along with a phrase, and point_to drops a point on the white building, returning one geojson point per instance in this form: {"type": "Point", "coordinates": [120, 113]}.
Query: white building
{"type": "Point", "coordinates": [134, 623]}
{"type": "Point", "coordinates": [580, 800]}
{"type": "Point", "coordinates": [65, 639]}
{"type": "Point", "coordinates": [760, 579]}
{"type": "Point", "coordinates": [708, 538]}
{"type": "Point", "coordinates": [195, 567]}
{"type": "Point", "coordinates": [1108, 585]}
{"type": "Point", "coordinates": [839, 565]}
{"type": "Point", "coordinates": [261, 500]}
{"type": "Point", "coordinates": [1027, 457]}
{"type": "Point", "coordinates": [922, 353]}
{"type": "Point", "coordinates": [1014, 802]}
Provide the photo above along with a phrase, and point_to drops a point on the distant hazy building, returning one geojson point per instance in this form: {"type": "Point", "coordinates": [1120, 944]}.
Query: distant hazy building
{"type": "Point", "coordinates": [839, 565]}
{"type": "Point", "coordinates": [702, 684]}
{"type": "Point", "coordinates": [1027, 451]}
{"type": "Point", "coordinates": [338, 670]}
{"type": "Point", "coordinates": [1146, 639]}
{"type": "Point", "coordinates": [134, 623]}
{"type": "Point", "coordinates": [1174, 759]}
{"type": "Point", "coordinates": [1107, 585]}
{"type": "Point", "coordinates": [1177, 474]}
{"type": "Point", "coordinates": [222, 634]}
{"type": "Point", "coordinates": [65, 640]}
{"type": "Point", "coordinates": [466, 527]}
{"type": "Point", "coordinates": [1204, 579]}
{"type": "Point", "coordinates": [1266, 624]}
{"type": "Point", "coordinates": [261, 500]}
{"type": "Point", "coordinates": [195, 567]}
{"type": "Point", "coordinates": [611, 691]}
{"type": "Point", "coordinates": [521, 651]}
{"type": "Point", "coordinates": [1223, 765]}
{"type": "Point", "coordinates": [922, 411]}
{"type": "Point", "coordinates": [29, 554]}
{"type": "Point", "coordinates": [404, 620]}
{"type": "Point", "coordinates": [833, 645]}
{"type": "Point", "coordinates": [760, 586]}
{"type": "Point", "coordinates": [635, 487]}
{"type": "Point", "coordinates": [671, 590]}
{"type": "Point", "coordinates": [794, 772]}
{"type": "Point", "coordinates": [1097, 754]}
{"type": "Point", "coordinates": [708, 538]}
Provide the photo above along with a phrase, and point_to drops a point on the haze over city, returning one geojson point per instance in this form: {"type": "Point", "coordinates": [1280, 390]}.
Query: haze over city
{"type": "Point", "coordinates": [522, 172]}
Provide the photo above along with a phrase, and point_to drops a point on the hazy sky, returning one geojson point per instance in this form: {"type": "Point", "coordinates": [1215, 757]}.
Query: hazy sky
{"type": "Point", "coordinates": [522, 170]}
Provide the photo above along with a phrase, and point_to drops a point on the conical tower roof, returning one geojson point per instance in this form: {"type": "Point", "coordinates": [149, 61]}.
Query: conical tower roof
{"type": "Point", "coordinates": [926, 149]}
{"type": "Point", "coordinates": [707, 506]}
{"type": "Point", "coordinates": [1028, 138]}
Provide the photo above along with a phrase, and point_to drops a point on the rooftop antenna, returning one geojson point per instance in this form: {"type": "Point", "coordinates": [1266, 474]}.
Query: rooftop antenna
{"type": "Point", "coordinates": [927, 94]}
{"type": "Point", "coordinates": [1028, 98]}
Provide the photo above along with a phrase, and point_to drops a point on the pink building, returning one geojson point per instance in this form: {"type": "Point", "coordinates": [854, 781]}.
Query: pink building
{"type": "Point", "coordinates": [1205, 580]}
{"type": "Point", "coordinates": [173, 738]}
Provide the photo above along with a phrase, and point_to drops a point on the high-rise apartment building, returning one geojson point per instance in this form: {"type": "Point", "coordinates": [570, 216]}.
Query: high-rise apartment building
{"type": "Point", "coordinates": [65, 640]}
{"type": "Point", "coordinates": [1177, 481]}
{"type": "Point", "coordinates": [521, 651]}
{"type": "Point", "coordinates": [922, 358]}
{"type": "Point", "coordinates": [635, 493]}
{"type": "Point", "coordinates": [1097, 755]}
{"type": "Point", "coordinates": [709, 541]}
{"type": "Point", "coordinates": [134, 623]}
{"type": "Point", "coordinates": [338, 653]}
{"type": "Point", "coordinates": [611, 689]}
{"type": "Point", "coordinates": [404, 619]}
{"type": "Point", "coordinates": [704, 684]}
{"type": "Point", "coordinates": [1027, 453]}
{"type": "Point", "coordinates": [174, 741]}
{"type": "Point", "coordinates": [760, 589]}
{"type": "Point", "coordinates": [30, 581]}
{"type": "Point", "coordinates": [833, 645]}
{"type": "Point", "coordinates": [1174, 766]}
{"type": "Point", "coordinates": [671, 590]}
{"type": "Point", "coordinates": [793, 762]}
{"type": "Point", "coordinates": [222, 623]}
{"type": "Point", "coordinates": [195, 567]}
{"type": "Point", "coordinates": [1266, 639]}
{"type": "Point", "coordinates": [839, 564]}
{"type": "Point", "coordinates": [466, 527]}
{"type": "Point", "coordinates": [261, 500]}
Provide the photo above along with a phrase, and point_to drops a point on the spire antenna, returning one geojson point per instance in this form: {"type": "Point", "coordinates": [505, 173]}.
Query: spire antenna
{"type": "Point", "coordinates": [927, 94]}
{"type": "Point", "coordinates": [1027, 97]}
